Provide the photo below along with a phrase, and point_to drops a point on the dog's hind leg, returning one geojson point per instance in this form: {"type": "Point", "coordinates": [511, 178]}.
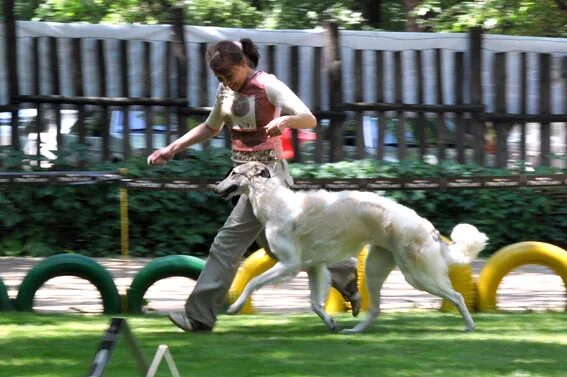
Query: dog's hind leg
{"type": "Point", "coordinates": [379, 264]}
{"type": "Point", "coordinates": [431, 275]}
{"type": "Point", "coordinates": [441, 286]}
{"type": "Point", "coordinates": [278, 272]}
{"type": "Point", "coordinates": [319, 284]}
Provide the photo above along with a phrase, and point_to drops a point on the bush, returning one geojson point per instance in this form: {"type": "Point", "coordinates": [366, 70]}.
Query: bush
{"type": "Point", "coordinates": [506, 216]}
{"type": "Point", "coordinates": [39, 221]}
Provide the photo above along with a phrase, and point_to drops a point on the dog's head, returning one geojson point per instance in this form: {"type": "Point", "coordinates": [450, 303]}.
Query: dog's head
{"type": "Point", "coordinates": [237, 182]}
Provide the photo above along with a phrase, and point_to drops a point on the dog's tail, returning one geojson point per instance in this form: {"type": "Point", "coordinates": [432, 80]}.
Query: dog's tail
{"type": "Point", "coordinates": [467, 243]}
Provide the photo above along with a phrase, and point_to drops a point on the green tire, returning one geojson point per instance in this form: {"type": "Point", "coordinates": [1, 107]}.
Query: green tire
{"type": "Point", "coordinates": [4, 298]}
{"type": "Point", "coordinates": [65, 265]}
{"type": "Point", "coordinates": [158, 269]}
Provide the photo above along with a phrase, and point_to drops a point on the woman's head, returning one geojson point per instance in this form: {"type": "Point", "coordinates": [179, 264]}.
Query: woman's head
{"type": "Point", "coordinates": [230, 60]}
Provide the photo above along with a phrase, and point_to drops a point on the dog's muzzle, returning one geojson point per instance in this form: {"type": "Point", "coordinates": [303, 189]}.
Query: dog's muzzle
{"type": "Point", "coordinates": [225, 192]}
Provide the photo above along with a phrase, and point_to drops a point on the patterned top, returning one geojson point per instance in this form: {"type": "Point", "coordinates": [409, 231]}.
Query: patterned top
{"type": "Point", "coordinates": [248, 111]}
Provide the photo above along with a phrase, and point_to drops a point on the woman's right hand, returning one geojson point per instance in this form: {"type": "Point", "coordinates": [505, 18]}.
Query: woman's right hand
{"type": "Point", "coordinates": [160, 156]}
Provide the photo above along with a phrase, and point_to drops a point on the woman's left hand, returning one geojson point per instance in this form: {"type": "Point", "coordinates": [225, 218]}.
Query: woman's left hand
{"type": "Point", "coordinates": [276, 126]}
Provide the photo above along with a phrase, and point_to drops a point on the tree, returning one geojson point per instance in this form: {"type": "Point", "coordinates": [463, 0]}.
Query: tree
{"type": "Point", "coordinates": [515, 17]}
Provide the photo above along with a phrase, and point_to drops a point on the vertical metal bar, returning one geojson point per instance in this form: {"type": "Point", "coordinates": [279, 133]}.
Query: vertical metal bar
{"type": "Point", "coordinates": [12, 67]}
{"type": "Point", "coordinates": [77, 74]}
{"type": "Point", "coordinates": [499, 72]}
{"type": "Point", "coordinates": [440, 123]}
{"type": "Point", "coordinates": [56, 86]}
{"type": "Point", "coordinates": [36, 79]}
{"type": "Point", "coordinates": [316, 100]}
{"type": "Point", "coordinates": [149, 131]}
{"type": "Point", "coordinates": [420, 122]}
{"type": "Point", "coordinates": [475, 89]}
{"type": "Point", "coordinates": [101, 64]}
{"type": "Point", "coordinates": [459, 91]}
{"type": "Point", "coordinates": [381, 147]}
{"type": "Point", "coordinates": [294, 76]}
{"type": "Point", "coordinates": [359, 97]}
{"type": "Point", "coordinates": [523, 102]}
{"type": "Point", "coordinates": [125, 93]}
{"type": "Point", "coordinates": [333, 66]}
{"type": "Point", "coordinates": [180, 52]}
{"type": "Point", "coordinates": [398, 88]}
{"type": "Point", "coordinates": [545, 107]}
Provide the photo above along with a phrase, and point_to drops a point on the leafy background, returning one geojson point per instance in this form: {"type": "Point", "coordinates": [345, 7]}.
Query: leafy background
{"type": "Point", "coordinates": [45, 220]}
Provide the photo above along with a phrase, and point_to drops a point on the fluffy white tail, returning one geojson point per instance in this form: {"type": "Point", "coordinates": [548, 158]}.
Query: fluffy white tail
{"type": "Point", "coordinates": [468, 242]}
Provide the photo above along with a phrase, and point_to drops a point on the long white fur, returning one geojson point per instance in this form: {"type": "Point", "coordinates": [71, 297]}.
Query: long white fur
{"type": "Point", "coordinates": [308, 230]}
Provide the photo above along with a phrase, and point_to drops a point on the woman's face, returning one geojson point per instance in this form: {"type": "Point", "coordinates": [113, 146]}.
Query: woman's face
{"type": "Point", "coordinates": [233, 76]}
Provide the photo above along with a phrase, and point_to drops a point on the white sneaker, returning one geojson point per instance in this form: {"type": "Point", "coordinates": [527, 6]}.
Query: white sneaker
{"type": "Point", "coordinates": [181, 321]}
{"type": "Point", "coordinates": [186, 324]}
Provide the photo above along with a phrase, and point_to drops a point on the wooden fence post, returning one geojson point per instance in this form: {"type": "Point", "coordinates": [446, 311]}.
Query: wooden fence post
{"type": "Point", "coordinates": [294, 84]}
{"type": "Point", "coordinates": [545, 107]}
{"type": "Point", "coordinates": [501, 128]}
{"type": "Point", "coordinates": [333, 67]}
{"type": "Point", "coordinates": [475, 90]}
{"type": "Point", "coordinates": [12, 67]}
{"type": "Point", "coordinates": [180, 53]}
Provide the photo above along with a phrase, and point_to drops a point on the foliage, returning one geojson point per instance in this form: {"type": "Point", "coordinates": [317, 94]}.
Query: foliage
{"type": "Point", "coordinates": [507, 216]}
{"type": "Point", "coordinates": [43, 220]}
{"type": "Point", "coordinates": [223, 13]}
{"type": "Point", "coordinates": [291, 345]}
{"type": "Point", "coordinates": [306, 14]}
{"type": "Point", "coordinates": [515, 17]}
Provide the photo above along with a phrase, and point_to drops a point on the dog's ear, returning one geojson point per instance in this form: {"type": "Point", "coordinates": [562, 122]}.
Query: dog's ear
{"type": "Point", "coordinates": [228, 172]}
{"type": "Point", "coordinates": [260, 170]}
{"type": "Point", "coordinates": [265, 172]}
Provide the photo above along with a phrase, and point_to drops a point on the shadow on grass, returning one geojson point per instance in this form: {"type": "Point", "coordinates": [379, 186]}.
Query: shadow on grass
{"type": "Point", "coordinates": [399, 344]}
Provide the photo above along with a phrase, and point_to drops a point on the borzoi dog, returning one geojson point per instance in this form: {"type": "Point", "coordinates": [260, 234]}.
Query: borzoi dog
{"type": "Point", "coordinates": [308, 230]}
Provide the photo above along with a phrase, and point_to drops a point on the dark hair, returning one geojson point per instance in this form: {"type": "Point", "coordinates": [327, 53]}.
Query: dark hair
{"type": "Point", "coordinates": [224, 54]}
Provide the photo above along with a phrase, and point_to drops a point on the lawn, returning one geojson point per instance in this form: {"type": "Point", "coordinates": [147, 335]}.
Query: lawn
{"type": "Point", "coordinates": [421, 343]}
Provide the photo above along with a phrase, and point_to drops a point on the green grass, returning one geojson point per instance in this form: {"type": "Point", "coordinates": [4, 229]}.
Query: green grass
{"type": "Point", "coordinates": [425, 343]}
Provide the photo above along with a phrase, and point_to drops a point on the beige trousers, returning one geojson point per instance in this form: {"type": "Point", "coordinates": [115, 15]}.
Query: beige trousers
{"type": "Point", "coordinates": [239, 231]}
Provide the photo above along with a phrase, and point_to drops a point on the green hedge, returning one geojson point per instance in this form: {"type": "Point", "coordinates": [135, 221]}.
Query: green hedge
{"type": "Point", "coordinates": [506, 215]}
{"type": "Point", "coordinates": [40, 221]}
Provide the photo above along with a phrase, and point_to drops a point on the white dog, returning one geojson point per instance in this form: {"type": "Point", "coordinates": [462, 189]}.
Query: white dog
{"type": "Point", "coordinates": [308, 230]}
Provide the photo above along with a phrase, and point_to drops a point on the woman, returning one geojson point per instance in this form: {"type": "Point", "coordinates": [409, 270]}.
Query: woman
{"type": "Point", "coordinates": [250, 103]}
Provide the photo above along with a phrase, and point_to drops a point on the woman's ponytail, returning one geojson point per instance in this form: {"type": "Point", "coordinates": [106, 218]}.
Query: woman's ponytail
{"type": "Point", "coordinates": [250, 50]}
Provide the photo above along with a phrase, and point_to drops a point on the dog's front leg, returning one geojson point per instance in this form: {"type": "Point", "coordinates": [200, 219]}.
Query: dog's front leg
{"type": "Point", "coordinates": [277, 272]}
{"type": "Point", "coordinates": [319, 284]}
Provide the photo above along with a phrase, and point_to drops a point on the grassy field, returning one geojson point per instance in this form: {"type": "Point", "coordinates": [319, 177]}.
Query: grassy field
{"type": "Point", "coordinates": [424, 343]}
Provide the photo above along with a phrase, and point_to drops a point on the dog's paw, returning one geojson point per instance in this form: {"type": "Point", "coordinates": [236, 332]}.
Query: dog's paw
{"type": "Point", "coordinates": [332, 324]}
{"type": "Point", "coordinates": [233, 309]}
{"type": "Point", "coordinates": [351, 331]}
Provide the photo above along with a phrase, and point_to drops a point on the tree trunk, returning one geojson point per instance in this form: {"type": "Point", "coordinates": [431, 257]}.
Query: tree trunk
{"type": "Point", "coordinates": [372, 12]}
{"type": "Point", "coordinates": [411, 20]}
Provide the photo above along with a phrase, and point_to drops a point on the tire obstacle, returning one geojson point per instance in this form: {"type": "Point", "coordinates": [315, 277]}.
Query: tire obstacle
{"type": "Point", "coordinates": [479, 296]}
{"type": "Point", "coordinates": [158, 269]}
{"type": "Point", "coordinates": [260, 261]}
{"type": "Point", "coordinates": [511, 257]}
{"type": "Point", "coordinates": [73, 265]}
{"type": "Point", "coordinates": [461, 278]}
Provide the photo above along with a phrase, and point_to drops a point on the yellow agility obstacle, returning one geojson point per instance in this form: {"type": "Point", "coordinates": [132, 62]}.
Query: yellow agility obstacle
{"type": "Point", "coordinates": [259, 261]}
{"type": "Point", "coordinates": [254, 265]}
{"type": "Point", "coordinates": [511, 257]}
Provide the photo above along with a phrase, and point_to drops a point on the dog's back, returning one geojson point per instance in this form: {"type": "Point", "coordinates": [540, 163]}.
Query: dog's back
{"type": "Point", "coordinates": [331, 226]}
